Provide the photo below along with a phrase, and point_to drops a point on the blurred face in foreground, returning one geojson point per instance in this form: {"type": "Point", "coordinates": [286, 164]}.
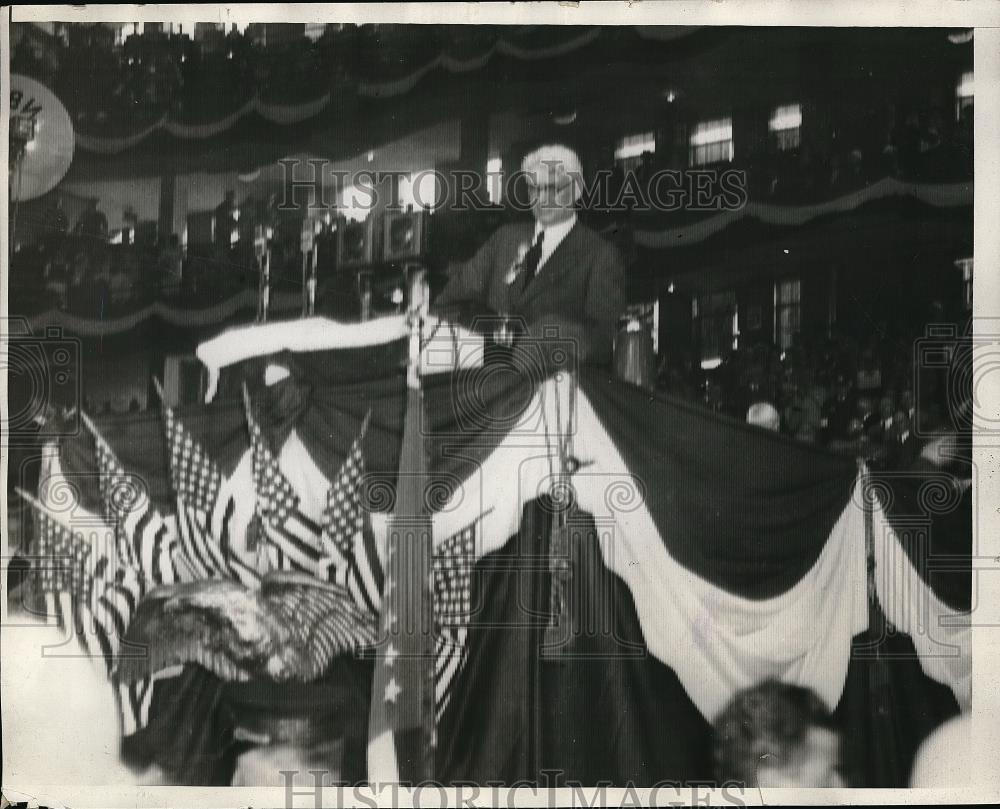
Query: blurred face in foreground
{"type": "Point", "coordinates": [815, 764]}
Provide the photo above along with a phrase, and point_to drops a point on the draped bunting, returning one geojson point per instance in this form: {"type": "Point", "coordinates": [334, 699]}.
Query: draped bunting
{"type": "Point", "coordinates": [174, 315]}
{"type": "Point", "coordinates": [946, 195]}
{"type": "Point", "coordinates": [282, 114]}
{"type": "Point", "coordinates": [940, 634]}
{"type": "Point", "coordinates": [560, 42]}
{"type": "Point", "coordinates": [454, 64]}
{"type": "Point", "coordinates": [736, 554]}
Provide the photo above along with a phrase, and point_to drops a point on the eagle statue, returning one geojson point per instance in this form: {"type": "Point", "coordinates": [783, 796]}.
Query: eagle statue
{"type": "Point", "coordinates": [288, 629]}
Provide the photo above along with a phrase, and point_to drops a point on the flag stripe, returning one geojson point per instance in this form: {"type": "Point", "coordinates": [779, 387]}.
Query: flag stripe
{"type": "Point", "coordinates": [362, 587]}
{"type": "Point", "coordinates": [295, 550]}
{"type": "Point", "coordinates": [192, 542]}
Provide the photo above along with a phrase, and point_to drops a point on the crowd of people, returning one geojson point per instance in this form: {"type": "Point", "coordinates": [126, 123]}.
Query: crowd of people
{"type": "Point", "coordinates": [84, 269]}
{"type": "Point", "coordinates": [90, 270]}
{"type": "Point", "coordinates": [922, 144]}
{"type": "Point", "coordinates": [848, 395]}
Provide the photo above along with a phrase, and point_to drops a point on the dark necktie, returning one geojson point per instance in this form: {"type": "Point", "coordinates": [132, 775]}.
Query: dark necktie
{"type": "Point", "coordinates": [531, 259]}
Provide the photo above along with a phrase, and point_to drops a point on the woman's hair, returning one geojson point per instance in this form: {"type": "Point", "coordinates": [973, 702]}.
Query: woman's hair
{"type": "Point", "coordinates": [765, 723]}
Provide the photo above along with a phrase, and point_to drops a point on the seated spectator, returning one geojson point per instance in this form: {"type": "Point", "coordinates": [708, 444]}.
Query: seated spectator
{"type": "Point", "coordinates": [764, 414]}
{"type": "Point", "coordinates": [777, 735]}
{"type": "Point", "coordinates": [170, 263]}
{"type": "Point", "coordinates": [92, 223]}
{"type": "Point", "coordinates": [869, 376]}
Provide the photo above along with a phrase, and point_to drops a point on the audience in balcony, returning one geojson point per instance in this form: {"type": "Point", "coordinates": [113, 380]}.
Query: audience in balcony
{"type": "Point", "coordinates": [857, 398]}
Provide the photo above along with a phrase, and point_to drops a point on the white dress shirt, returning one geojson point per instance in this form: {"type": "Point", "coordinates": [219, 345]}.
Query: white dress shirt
{"type": "Point", "coordinates": [554, 234]}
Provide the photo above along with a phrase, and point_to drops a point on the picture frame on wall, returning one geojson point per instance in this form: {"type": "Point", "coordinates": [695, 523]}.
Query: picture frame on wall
{"type": "Point", "coordinates": [403, 235]}
{"type": "Point", "coordinates": [355, 243]}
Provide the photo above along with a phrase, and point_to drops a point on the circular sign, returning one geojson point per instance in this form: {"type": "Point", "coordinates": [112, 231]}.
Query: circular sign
{"type": "Point", "coordinates": [42, 120]}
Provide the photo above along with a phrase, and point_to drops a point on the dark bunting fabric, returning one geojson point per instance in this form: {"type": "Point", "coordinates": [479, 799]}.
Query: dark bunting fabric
{"type": "Point", "coordinates": [888, 708]}
{"type": "Point", "coordinates": [603, 708]}
{"type": "Point", "coordinates": [746, 509]}
{"type": "Point", "coordinates": [598, 708]}
{"type": "Point", "coordinates": [138, 439]}
{"type": "Point", "coordinates": [466, 414]}
{"type": "Point", "coordinates": [932, 516]}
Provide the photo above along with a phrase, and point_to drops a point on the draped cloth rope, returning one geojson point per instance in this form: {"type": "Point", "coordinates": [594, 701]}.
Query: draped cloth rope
{"type": "Point", "coordinates": [941, 195]}
{"type": "Point", "coordinates": [564, 505]}
{"type": "Point", "coordinates": [174, 315]}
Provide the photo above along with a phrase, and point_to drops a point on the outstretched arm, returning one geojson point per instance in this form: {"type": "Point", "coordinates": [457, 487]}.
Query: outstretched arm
{"type": "Point", "coordinates": [469, 280]}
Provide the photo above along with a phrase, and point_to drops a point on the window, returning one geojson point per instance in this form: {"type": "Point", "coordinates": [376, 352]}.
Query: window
{"type": "Point", "coordinates": [964, 94]}
{"type": "Point", "coordinates": [712, 142]}
{"type": "Point", "coordinates": [315, 30]}
{"type": "Point", "coordinates": [717, 324]}
{"type": "Point", "coordinates": [786, 126]}
{"type": "Point", "coordinates": [128, 29]}
{"type": "Point", "coordinates": [494, 180]}
{"type": "Point", "coordinates": [787, 311]}
{"type": "Point", "coordinates": [630, 149]}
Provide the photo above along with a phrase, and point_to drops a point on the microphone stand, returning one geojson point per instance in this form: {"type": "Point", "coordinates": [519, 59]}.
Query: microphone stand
{"type": "Point", "coordinates": [263, 250]}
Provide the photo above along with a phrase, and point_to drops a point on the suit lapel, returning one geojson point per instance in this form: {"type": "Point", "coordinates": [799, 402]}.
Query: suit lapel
{"type": "Point", "coordinates": [556, 266]}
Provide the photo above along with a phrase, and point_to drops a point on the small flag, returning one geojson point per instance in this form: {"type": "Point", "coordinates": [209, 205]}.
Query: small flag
{"type": "Point", "coordinates": [292, 537]}
{"type": "Point", "coordinates": [348, 541]}
{"type": "Point", "coordinates": [204, 516]}
{"type": "Point", "coordinates": [144, 539]}
{"type": "Point", "coordinates": [452, 567]}
{"type": "Point", "coordinates": [93, 592]}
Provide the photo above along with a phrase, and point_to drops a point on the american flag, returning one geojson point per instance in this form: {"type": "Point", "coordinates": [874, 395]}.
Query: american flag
{"type": "Point", "coordinates": [204, 514]}
{"type": "Point", "coordinates": [144, 539]}
{"type": "Point", "coordinates": [65, 558]}
{"type": "Point", "coordinates": [292, 537]}
{"type": "Point", "coordinates": [352, 556]}
{"type": "Point", "coordinates": [452, 568]}
{"type": "Point", "coordinates": [401, 726]}
{"type": "Point", "coordinates": [93, 592]}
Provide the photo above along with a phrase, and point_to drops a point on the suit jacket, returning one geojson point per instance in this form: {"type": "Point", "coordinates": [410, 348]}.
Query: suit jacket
{"type": "Point", "coordinates": [579, 289]}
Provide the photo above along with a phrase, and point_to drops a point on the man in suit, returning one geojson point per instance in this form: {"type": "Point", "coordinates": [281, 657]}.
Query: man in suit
{"type": "Point", "coordinates": [556, 275]}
